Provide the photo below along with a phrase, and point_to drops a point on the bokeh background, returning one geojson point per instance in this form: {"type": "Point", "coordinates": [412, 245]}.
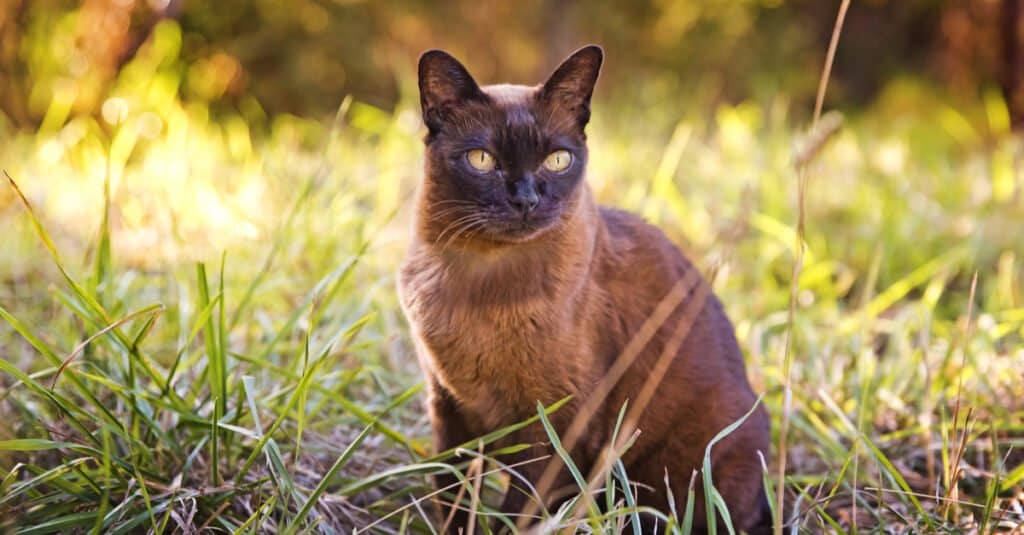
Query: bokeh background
{"type": "Point", "coordinates": [302, 57]}
{"type": "Point", "coordinates": [278, 145]}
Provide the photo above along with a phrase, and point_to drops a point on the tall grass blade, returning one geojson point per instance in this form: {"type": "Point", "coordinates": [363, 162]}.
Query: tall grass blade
{"type": "Point", "coordinates": [106, 471]}
{"type": "Point", "coordinates": [570, 465]}
{"type": "Point", "coordinates": [713, 501]}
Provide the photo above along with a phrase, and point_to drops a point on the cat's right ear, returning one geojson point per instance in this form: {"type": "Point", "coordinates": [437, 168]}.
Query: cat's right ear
{"type": "Point", "coordinates": [444, 83]}
{"type": "Point", "coordinates": [572, 84]}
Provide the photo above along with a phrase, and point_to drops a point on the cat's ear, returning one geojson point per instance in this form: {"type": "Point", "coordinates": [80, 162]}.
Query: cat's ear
{"type": "Point", "coordinates": [572, 83]}
{"type": "Point", "coordinates": [443, 82]}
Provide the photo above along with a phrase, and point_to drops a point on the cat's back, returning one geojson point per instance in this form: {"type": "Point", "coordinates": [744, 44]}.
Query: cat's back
{"type": "Point", "coordinates": [639, 268]}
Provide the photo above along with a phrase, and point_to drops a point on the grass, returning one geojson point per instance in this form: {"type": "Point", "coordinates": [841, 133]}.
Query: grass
{"type": "Point", "coordinates": [199, 327]}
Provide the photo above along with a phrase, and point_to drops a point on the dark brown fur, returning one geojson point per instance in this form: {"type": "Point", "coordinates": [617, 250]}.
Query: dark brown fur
{"type": "Point", "coordinates": [506, 313]}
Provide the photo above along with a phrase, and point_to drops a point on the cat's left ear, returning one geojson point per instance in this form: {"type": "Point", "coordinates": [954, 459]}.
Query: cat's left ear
{"type": "Point", "coordinates": [571, 85]}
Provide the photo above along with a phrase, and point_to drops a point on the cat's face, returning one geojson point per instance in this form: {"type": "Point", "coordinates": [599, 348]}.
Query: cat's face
{"type": "Point", "coordinates": [503, 162]}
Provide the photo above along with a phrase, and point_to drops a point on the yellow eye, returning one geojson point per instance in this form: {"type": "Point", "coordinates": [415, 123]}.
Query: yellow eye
{"type": "Point", "coordinates": [558, 161]}
{"type": "Point", "coordinates": [480, 159]}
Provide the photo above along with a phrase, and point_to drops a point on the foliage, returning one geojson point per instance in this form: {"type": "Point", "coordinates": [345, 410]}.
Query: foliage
{"type": "Point", "coordinates": [302, 56]}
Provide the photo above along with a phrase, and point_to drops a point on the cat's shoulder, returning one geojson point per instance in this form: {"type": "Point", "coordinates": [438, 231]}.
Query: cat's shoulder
{"type": "Point", "coordinates": [623, 224]}
{"type": "Point", "coordinates": [631, 235]}
{"type": "Point", "coordinates": [620, 221]}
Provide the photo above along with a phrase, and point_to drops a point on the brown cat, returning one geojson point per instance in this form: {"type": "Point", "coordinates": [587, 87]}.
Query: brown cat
{"type": "Point", "coordinates": [520, 289]}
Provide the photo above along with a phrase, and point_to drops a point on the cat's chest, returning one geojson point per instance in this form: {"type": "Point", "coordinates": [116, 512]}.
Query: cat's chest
{"type": "Point", "coordinates": [472, 312]}
{"type": "Point", "coordinates": [499, 353]}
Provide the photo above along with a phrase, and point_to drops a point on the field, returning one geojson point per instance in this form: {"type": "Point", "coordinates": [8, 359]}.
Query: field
{"type": "Point", "coordinates": [200, 330]}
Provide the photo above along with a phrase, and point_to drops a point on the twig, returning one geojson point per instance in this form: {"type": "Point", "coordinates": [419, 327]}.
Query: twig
{"type": "Point", "coordinates": [953, 485]}
{"type": "Point", "coordinates": [787, 399]}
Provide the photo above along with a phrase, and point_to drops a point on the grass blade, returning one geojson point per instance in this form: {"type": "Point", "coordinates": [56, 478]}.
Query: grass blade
{"type": "Point", "coordinates": [328, 476]}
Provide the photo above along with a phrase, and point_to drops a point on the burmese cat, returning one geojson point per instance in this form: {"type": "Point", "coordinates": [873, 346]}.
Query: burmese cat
{"type": "Point", "coordinates": [519, 289]}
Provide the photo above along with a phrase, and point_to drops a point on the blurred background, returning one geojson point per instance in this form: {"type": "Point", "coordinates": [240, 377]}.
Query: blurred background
{"type": "Point", "coordinates": [303, 56]}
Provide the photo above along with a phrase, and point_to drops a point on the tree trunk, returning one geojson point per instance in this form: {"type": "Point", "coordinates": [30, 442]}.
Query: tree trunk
{"type": "Point", "coordinates": [1013, 60]}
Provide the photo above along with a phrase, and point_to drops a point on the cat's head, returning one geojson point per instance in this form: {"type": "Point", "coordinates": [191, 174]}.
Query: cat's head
{"type": "Point", "coordinates": [504, 163]}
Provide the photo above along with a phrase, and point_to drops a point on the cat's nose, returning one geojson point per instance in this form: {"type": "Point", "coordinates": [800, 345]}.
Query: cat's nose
{"type": "Point", "coordinates": [525, 203]}
{"type": "Point", "coordinates": [524, 196]}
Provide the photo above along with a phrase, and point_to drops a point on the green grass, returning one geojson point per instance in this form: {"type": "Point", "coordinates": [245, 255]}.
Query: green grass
{"type": "Point", "coordinates": [200, 327]}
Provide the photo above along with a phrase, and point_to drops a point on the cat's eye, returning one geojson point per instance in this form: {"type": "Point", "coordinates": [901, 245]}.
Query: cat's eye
{"type": "Point", "coordinates": [480, 160]}
{"type": "Point", "coordinates": [558, 161]}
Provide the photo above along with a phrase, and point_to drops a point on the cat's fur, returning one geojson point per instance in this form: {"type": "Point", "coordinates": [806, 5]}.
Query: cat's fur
{"type": "Point", "coordinates": [510, 307]}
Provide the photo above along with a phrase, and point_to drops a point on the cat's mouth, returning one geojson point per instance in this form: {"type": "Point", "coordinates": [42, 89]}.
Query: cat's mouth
{"type": "Point", "coordinates": [518, 229]}
{"type": "Point", "coordinates": [496, 226]}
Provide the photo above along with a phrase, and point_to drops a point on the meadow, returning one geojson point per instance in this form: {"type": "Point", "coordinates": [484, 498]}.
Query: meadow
{"type": "Point", "coordinates": [200, 330]}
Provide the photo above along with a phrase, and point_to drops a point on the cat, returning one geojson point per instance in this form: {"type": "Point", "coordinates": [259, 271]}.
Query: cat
{"type": "Point", "coordinates": [520, 289]}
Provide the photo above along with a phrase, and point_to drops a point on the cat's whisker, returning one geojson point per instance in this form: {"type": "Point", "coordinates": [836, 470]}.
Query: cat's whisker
{"type": "Point", "coordinates": [450, 206]}
{"type": "Point", "coordinates": [473, 228]}
{"type": "Point", "coordinates": [456, 202]}
{"type": "Point", "coordinates": [478, 223]}
{"type": "Point", "coordinates": [475, 232]}
{"type": "Point", "coordinates": [454, 225]}
{"type": "Point", "coordinates": [446, 212]}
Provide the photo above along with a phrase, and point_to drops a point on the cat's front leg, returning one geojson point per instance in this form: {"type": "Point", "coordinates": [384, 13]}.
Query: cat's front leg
{"type": "Point", "coordinates": [450, 430]}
